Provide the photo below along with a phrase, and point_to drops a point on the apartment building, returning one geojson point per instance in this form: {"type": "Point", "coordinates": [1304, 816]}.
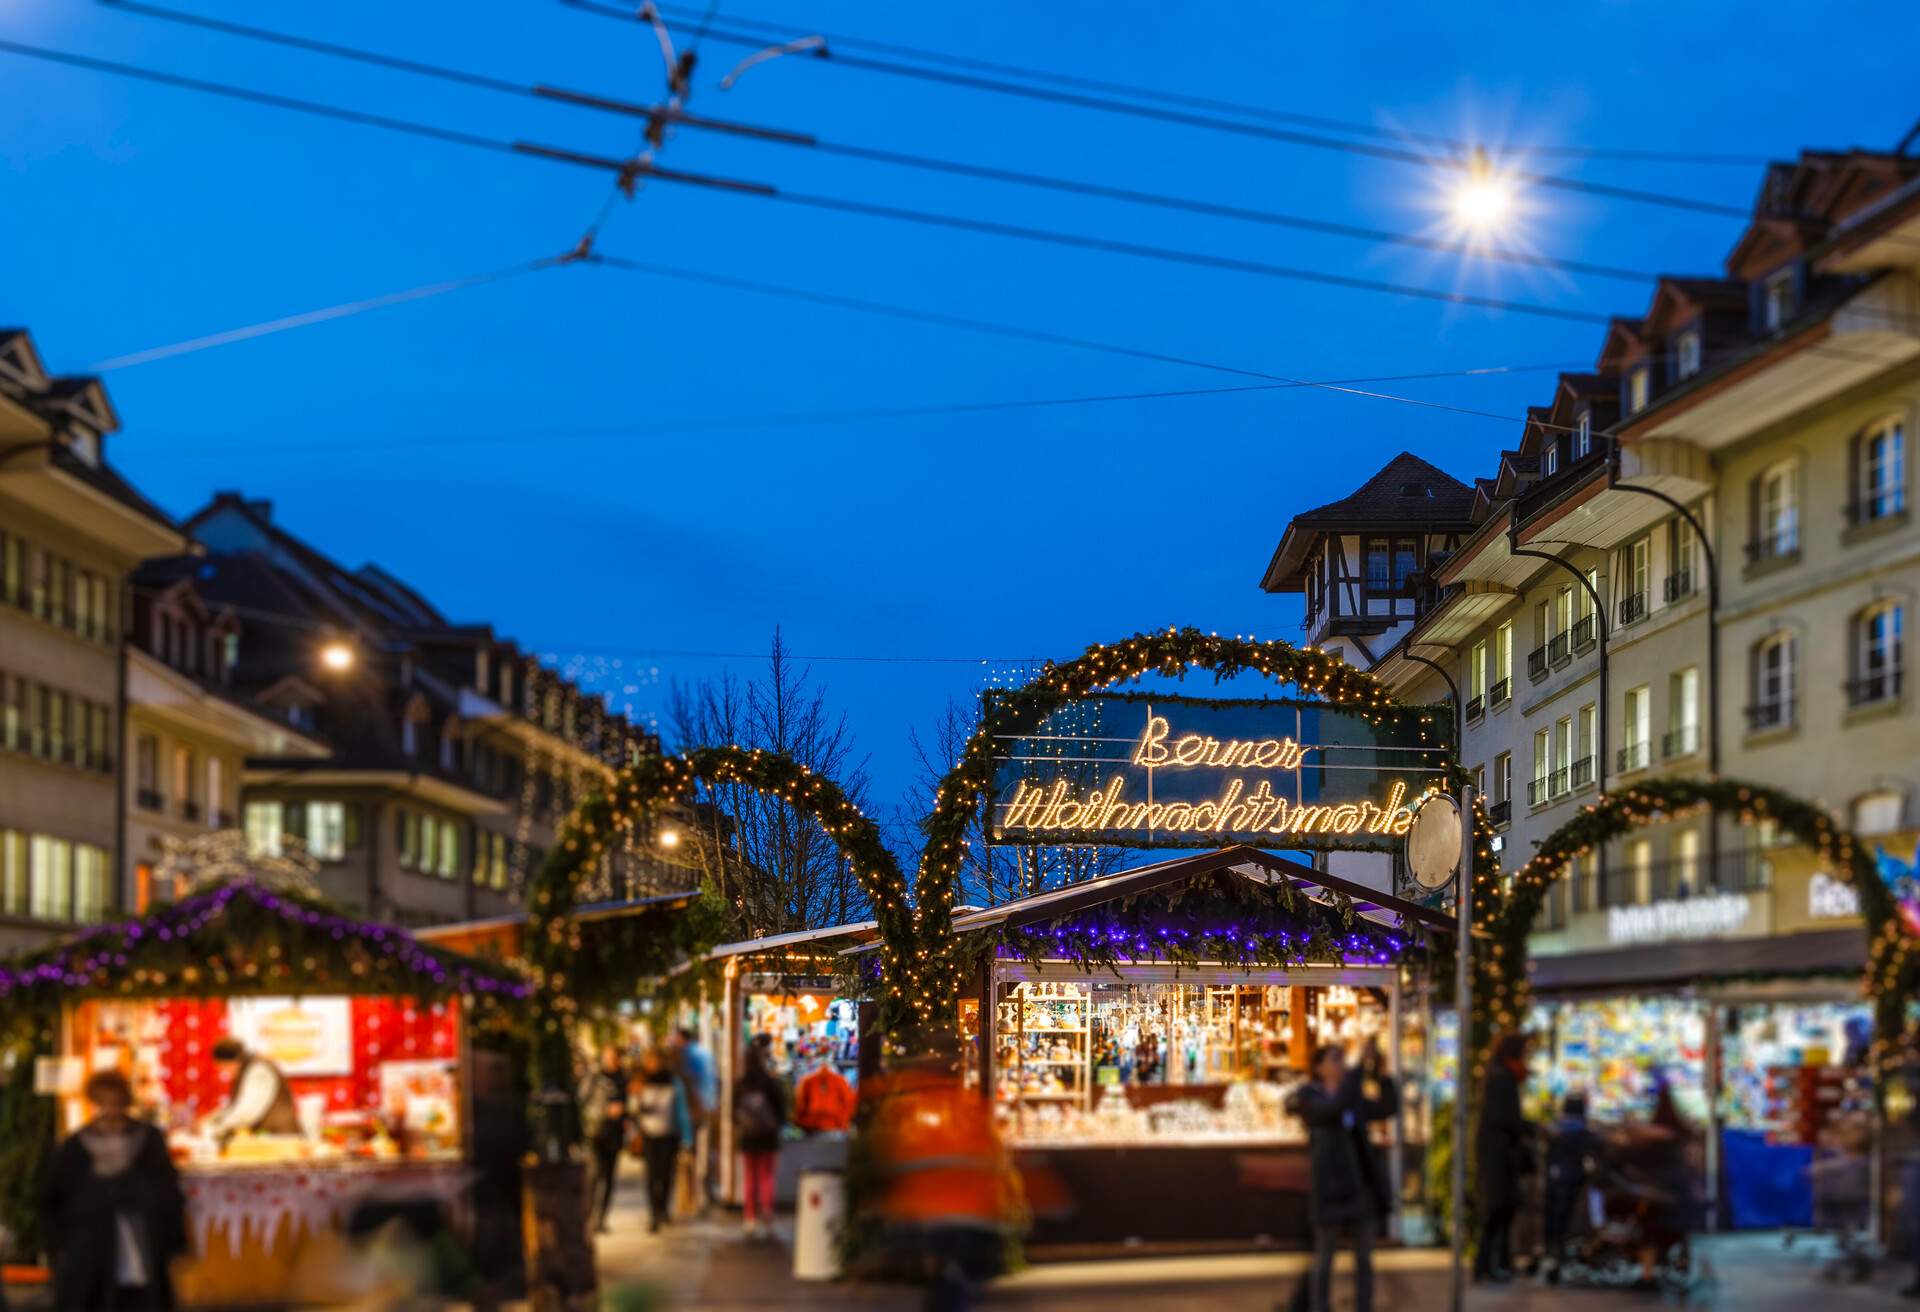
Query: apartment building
{"type": "Point", "coordinates": [1699, 559]}
{"type": "Point", "coordinates": [189, 729]}
{"type": "Point", "coordinates": [71, 531]}
{"type": "Point", "coordinates": [451, 757]}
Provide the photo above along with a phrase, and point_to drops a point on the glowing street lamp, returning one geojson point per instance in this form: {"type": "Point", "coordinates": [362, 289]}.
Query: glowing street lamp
{"type": "Point", "coordinates": [1483, 200]}
{"type": "Point", "coordinates": [337, 657]}
{"type": "Point", "coordinates": [669, 838]}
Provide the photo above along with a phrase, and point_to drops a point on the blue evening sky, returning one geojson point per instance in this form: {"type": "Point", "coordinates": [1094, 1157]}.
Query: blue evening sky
{"type": "Point", "coordinates": [451, 439]}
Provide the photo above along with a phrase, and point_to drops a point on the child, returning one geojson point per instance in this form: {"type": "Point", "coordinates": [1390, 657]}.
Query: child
{"type": "Point", "coordinates": [1570, 1147]}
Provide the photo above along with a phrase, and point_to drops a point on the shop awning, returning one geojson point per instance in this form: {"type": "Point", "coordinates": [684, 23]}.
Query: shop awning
{"type": "Point", "coordinates": [829, 939]}
{"type": "Point", "coordinates": [505, 936]}
{"type": "Point", "coordinates": [1671, 965]}
{"type": "Point", "coordinates": [1247, 862]}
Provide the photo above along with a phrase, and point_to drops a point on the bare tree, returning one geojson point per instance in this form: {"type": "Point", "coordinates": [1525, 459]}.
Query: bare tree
{"type": "Point", "coordinates": [995, 873]}
{"type": "Point", "coordinates": [778, 871]}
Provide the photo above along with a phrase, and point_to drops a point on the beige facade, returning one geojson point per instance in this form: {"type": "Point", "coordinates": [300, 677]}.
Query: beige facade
{"type": "Point", "coordinates": [70, 532]}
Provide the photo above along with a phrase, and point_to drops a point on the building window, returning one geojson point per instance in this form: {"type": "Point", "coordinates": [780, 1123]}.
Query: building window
{"type": "Point", "coordinates": [1878, 647]}
{"type": "Point", "coordinates": [409, 736]}
{"type": "Point", "coordinates": [1550, 460]}
{"type": "Point", "coordinates": [50, 875]}
{"type": "Point", "coordinates": [1503, 778]}
{"type": "Point", "coordinates": [266, 828]}
{"type": "Point", "coordinates": [1686, 862]}
{"type": "Point", "coordinates": [216, 800]}
{"type": "Point", "coordinates": [1540, 789]}
{"type": "Point", "coordinates": [1636, 569]}
{"type": "Point", "coordinates": [1563, 755]}
{"type": "Point", "coordinates": [1583, 754]}
{"type": "Point", "coordinates": [447, 862]}
{"type": "Point", "coordinates": [407, 827]}
{"type": "Point", "coordinates": [1391, 565]}
{"type": "Point", "coordinates": [1583, 434]}
{"type": "Point", "coordinates": [1639, 385]}
{"type": "Point", "coordinates": [1477, 679]}
{"type": "Point", "coordinates": [14, 882]}
{"type": "Point", "coordinates": [1775, 659]}
{"type": "Point", "coordinates": [1683, 714]}
{"type": "Point", "coordinates": [1503, 661]}
{"type": "Point", "coordinates": [91, 891]}
{"type": "Point", "coordinates": [1879, 812]}
{"type": "Point", "coordinates": [327, 830]}
{"type": "Point", "coordinates": [183, 783]}
{"type": "Point", "coordinates": [1634, 754]}
{"type": "Point", "coordinates": [1777, 300]}
{"type": "Point", "coordinates": [1880, 472]}
{"type": "Point", "coordinates": [1640, 864]}
{"type": "Point", "coordinates": [1686, 354]}
{"type": "Point", "coordinates": [1776, 500]}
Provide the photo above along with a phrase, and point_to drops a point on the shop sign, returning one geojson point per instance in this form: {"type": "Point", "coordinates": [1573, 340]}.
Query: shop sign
{"type": "Point", "coordinates": [1830, 899]}
{"type": "Point", "coordinates": [772, 983]}
{"type": "Point", "coordinates": [1695, 917]}
{"type": "Point", "coordinates": [1151, 771]}
{"type": "Point", "coordinates": [302, 1036]}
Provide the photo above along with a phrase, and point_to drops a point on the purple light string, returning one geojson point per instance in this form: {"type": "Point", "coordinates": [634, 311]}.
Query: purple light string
{"type": "Point", "coordinates": [76, 969]}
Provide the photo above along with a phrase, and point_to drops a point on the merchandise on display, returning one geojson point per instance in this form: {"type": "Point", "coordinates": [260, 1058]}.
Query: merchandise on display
{"type": "Point", "coordinates": [806, 1027]}
{"type": "Point", "coordinates": [1617, 1050]}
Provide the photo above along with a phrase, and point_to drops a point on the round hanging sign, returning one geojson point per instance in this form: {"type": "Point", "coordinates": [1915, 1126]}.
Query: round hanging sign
{"type": "Point", "coordinates": [1434, 841]}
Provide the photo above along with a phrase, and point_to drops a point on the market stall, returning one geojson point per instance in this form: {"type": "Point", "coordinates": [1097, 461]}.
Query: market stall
{"type": "Point", "coordinates": [1139, 1034]}
{"type": "Point", "coordinates": [1761, 1040]}
{"type": "Point", "coordinates": [302, 1064]}
{"type": "Point", "coordinates": [790, 988]}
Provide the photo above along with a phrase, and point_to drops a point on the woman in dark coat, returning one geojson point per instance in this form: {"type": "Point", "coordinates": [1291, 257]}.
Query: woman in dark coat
{"type": "Point", "coordinates": [1349, 1195]}
{"type": "Point", "coordinates": [759, 1115]}
{"type": "Point", "coordinates": [115, 1215]}
{"type": "Point", "coordinates": [1502, 1144]}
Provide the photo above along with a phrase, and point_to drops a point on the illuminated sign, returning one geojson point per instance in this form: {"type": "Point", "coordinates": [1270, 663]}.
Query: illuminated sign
{"type": "Point", "coordinates": [1134, 770]}
{"type": "Point", "coordinates": [1661, 922]}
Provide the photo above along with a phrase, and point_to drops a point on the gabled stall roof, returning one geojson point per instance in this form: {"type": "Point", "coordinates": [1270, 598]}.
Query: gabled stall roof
{"type": "Point", "coordinates": [1247, 862]}
{"type": "Point", "coordinates": [864, 930]}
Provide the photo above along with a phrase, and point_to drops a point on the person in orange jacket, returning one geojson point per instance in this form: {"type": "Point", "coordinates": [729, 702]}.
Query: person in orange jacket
{"type": "Point", "coordinates": [823, 1102]}
{"type": "Point", "coordinates": [946, 1194]}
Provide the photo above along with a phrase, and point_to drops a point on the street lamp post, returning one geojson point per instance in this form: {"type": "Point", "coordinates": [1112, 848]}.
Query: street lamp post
{"type": "Point", "coordinates": [1463, 1029]}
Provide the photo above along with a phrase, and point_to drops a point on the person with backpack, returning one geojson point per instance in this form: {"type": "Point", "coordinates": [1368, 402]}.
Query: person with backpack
{"type": "Point", "coordinates": [759, 1114]}
{"type": "Point", "coordinates": [664, 1125]}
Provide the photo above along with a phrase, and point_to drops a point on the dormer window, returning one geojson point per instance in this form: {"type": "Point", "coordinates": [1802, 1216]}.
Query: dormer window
{"type": "Point", "coordinates": [1686, 354]}
{"type": "Point", "coordinates": [1583, 435]}
{"type": "Point", "coordinates": [1550, 460]}
{"type": "Point", "coordinates": [1639, 387]}
{"type": "Point", "coordinates": [1777, 300]}
{"type": "Point", "coordinates": [84, 445]}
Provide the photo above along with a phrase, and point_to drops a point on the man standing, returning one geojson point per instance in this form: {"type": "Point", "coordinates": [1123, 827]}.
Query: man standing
{"type": "Point", "coordinates": [259, 1099]}
{"type": "Point", "coordinates": [1348, 1194]}
{"type": "Point", "coordinates": [603, 1103]}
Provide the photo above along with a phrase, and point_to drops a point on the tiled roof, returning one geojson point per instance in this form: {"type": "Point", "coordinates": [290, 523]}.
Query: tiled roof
{"type": "Point", "coordinates": [1407, 489]}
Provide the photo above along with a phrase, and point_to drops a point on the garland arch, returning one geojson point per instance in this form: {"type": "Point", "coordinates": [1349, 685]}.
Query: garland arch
{"type": "Point", "coordinates": [556, 950]}
{"type": "Point", "coordinates": [927, 990]}
{"type": "Point", "coordinates": [1894, 963]}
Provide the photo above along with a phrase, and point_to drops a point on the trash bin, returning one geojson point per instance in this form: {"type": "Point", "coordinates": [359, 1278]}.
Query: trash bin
{"type": "Point", "coordinates": [817, 1213]}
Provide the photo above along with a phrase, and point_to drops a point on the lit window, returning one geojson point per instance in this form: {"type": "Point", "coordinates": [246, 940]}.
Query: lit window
{"type": "Point", "coordinates": [265, 827]}
{"type": "Point", "coordinates": [327, 830]}
{"type": "Point", "coordinates": [1686, 354]}
{"type": "Point", "coordinates": [1550, 460]}
{"type": "Point", "coordinates": [1583, 435]}
{"type": "Point", "coordinates": [1639, 383]}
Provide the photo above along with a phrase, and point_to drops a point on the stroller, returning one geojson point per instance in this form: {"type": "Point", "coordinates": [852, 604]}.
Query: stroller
{"type": "Point", "coordinates": [1631, 1208]}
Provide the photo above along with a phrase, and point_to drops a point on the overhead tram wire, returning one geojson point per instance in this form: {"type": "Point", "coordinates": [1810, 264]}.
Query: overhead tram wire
{"type": "Point", "coordinates": [1182, 118]}
{"type": "Point", "coordinates": [901, 159]}
{"type": "Point", "coordinates": [771, 31]}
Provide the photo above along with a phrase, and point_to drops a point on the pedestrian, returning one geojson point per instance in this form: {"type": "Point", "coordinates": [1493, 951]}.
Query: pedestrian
{"type": "Point", "coordinates": [115, 1215]}
{"type": "Point", "coordinates": [701, 1080]}
{"type": "Point", "coordinates": [660, 1114]}
{"type": "Point", "coordinates": [1571, 1148]}
{"type": "Point", "coordinates": [1502, 1144]}
{"type": "Point", "coordinates": [759, 1114]}
{"type": "Point", "coordinates": [1348, 1194]}
{"type": "Point", "coordinates": [604, 1107]}
{"type": "Point", "coordinates": [1660, 1151]}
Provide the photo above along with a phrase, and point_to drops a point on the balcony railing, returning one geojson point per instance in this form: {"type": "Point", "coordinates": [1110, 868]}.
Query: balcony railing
{"type": "Point", "coordinates": [1580, 773]}
{"type": "Point", "coordinates": [1476, 707]}
{"type": "Point", "coordinates": [1500, 812]}
{"type": "Point", "coordinates": [1633, 609]}
{"type": "Point", "coordinates": [149, 799]}
{"type": "Point", "coordinates": [1500, 694]}
{"type": "Point", "coordinates": [1679, 585]}
{"type": "Point", "coordinates": [1537, 664]}
{"type": "Point", "coordinates": [1539, 790]}
{"type": "Point", "coordinates": [1769, 715]}
{"type": "Point", "coordinates": [1870, 689]}
{"type": "Point", "coordinates": [1582, 633]}
{"type": "Point", "coordinates": [1684, 741]}
{"type": "Point", "coordinates": [1558, 650]}
{"type": "Point", "coordinates": [1634, 756]}
{"type": "Point", "coordinates": [1773, 547]}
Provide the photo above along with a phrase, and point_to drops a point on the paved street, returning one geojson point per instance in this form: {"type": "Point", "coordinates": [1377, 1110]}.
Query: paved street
{"type": "Point", "coordinates": [706, 1265]}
